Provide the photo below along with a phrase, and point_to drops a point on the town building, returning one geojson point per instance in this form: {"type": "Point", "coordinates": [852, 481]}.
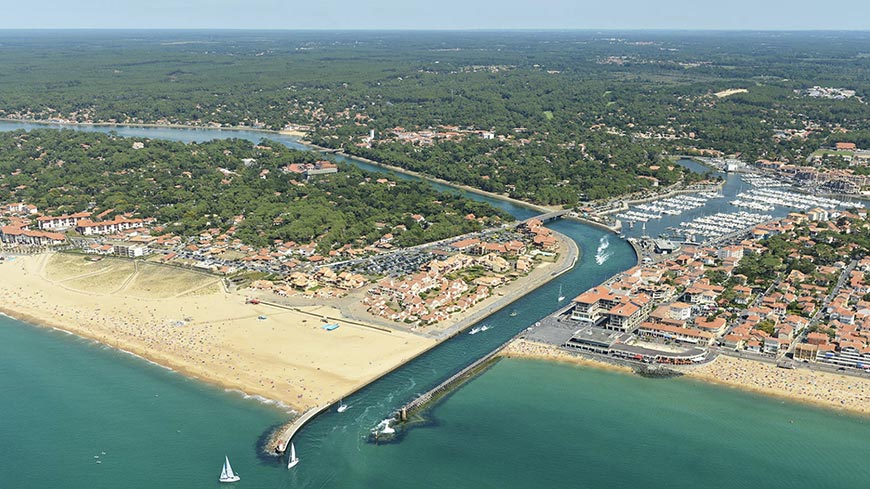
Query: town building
{"type": "Point", "coordinates": [14, 235]}
{"type": "Point", "coordinates": [61, 222]}
{"type": "Point", "coordinates": [119, 223]}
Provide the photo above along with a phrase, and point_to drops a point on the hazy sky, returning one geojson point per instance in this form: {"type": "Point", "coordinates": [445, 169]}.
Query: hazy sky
{"type": "Point", "coordinates": [438, 14]}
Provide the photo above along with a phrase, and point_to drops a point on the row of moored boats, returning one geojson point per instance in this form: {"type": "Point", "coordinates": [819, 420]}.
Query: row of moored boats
{"type": "Point", "coordinates": [766, 199]}
{"type": "Point", "coordinates": [671, 206]}
{"type": "Point", "coordinates": [720, 224]}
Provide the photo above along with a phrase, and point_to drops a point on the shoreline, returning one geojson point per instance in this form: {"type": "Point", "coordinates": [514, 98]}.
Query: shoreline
{"type": "Point", "coordinates": [138, 347]}
{"type": "Point", "coordinates": [308, 144]}
{"type": "Point", "coordinates": [35, 322]}
{"type": "Point", "coordinates": [286, 359]}
{"type": "Point", "coordinates": [152, 125]}
{"type": "Point", "coordinates": [787, 384]}
{"type": "Point", "coordinates": [712, 374]}
{"type": "Point", "coordinates": [521, 348]}
{"type": "Point", "coordinates": [528, 205]}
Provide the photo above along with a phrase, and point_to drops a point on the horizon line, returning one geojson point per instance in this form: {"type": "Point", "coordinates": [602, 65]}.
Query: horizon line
{"type": "Point", "coordinates": [432, 29]}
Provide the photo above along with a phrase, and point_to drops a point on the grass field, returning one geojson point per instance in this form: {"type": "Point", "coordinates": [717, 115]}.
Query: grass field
{"type": "Point", "coordinates": [157, 282]}
{"type": "Point", "coordinates": [62, 266]}
{"type": "Point", "coordinates": [103, 283]}
{"type": "Point", "coordinates": [111, 274]}
{"type": "Point", "coordinates": [831, 152]}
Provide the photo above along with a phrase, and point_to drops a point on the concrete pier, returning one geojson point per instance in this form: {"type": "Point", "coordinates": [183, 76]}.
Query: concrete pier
{"type": "Point", "coordinates": [423, 399]}
{"type": "Point", "coordinates": [283, 436]}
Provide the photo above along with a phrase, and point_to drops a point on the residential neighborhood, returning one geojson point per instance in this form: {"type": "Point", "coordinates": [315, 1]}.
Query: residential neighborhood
{"type": "Point", "coordinates": [813, 306]}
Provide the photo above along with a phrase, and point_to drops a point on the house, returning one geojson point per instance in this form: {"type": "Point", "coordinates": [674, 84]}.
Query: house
{"type": "Point", "coordinates": [771, 345]}
{"type": "Point", "coordinates": [19, 236]}
{"type": "Point", "coordinates": [309, 169]}
{"type": "Point", "coordinates": [65, 221]}
{"type": "Point", "coordinates": [675, 333]}
{"type": "Point", "coordinates": [130, 250]}
{"type": "Point", "coordinates": [625, 316]}
{"type": "Point", "coordinates": [715, 325]}
{"type": "Point", "coordinates": [730, 253]}
{"type": "Point", "coordinates": [465, 244]}
{"type": "Point", "coordinates": [681, 311]}
{"type": "Point", "coordinates": [592, 305]}
{"type": "Point", "coordinates": [806, 351]}
{"type": "Point", "coordinates": [816, 338]}
{"type": "Point", "coordinates": [21, 208]}
{"type": "Point", "coordinates": [733, 341]}
{"type": "Point", "coordinates": [119, 223]}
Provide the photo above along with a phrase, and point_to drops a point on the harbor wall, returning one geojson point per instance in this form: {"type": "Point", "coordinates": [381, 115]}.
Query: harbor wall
{"type": "Point", "coordinates": [285, 434]}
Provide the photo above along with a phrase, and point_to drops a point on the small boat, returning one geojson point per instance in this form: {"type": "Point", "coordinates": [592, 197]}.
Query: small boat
{"type": "Point", "coordinates": [513, 314]}
{"type": "Point", "coordinates": [227, 474]}
{"type": "Point", "coordinates": [293, 458]}
{"type": "Point", "coordinates": [561, 297]}
{"type": "Point", "coordinates": [474, 330]}
{"type": "Point", "coordinates": [342, 407]}
{"type": "Point", "coordinates": [484, 328]}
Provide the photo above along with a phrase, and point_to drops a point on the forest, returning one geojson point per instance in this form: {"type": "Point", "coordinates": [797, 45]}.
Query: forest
{"type": "Point", "coordinates": [576, 115]}
{"type": "Point", "coordinates": [227, 184]}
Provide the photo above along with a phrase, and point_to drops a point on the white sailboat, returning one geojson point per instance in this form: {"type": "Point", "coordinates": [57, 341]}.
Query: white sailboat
{"type": "Point", "coordinates": [293, 458]}
{"type": "Point", "coordinates": [561, 297]}
{"type": "Point", "coordinates": [227, 474]}
{"type": "Point", "coordinates": [342, 407]}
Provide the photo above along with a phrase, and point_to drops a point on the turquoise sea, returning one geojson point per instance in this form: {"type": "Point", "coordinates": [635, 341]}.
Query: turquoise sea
{"type": "Point", "coordinates": [522, 423]}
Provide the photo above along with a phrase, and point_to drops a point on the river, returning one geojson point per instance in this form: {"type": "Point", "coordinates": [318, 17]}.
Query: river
{"type": "Point", "coordinates": [520, 424]}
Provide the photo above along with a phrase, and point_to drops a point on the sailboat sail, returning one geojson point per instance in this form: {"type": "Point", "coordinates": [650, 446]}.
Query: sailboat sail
{"type": "Point", "coordinates": [293, 459]}
{"type": "Point", "coordinates": [227, 474]}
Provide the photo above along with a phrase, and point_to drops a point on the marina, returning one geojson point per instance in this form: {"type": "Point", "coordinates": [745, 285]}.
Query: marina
{"type": "Point", "coordinates": [718, 225]}
{"type": "Point", "coordinates": [745, 200]}
{"type": "Point", "coordinates": [767, 199]}
{"type": "Point", "coordinates": [671, 206]}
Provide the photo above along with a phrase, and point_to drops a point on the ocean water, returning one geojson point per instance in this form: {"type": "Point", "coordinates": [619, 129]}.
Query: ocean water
{"type": "Point", "coordinates": [66, 400]}
{"type": "Point", "coordinates": [534, 424]}
{"type": "Point", "coordinates": [523, 423]}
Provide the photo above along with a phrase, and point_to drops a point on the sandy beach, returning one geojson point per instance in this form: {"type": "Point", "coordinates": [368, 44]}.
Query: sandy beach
{"type": "Point", "coordinates": [522, 348]}
{"type": "Point", "coordinates": [823, 389]}
{"type": "Point", "coordinates": [186, 321]}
